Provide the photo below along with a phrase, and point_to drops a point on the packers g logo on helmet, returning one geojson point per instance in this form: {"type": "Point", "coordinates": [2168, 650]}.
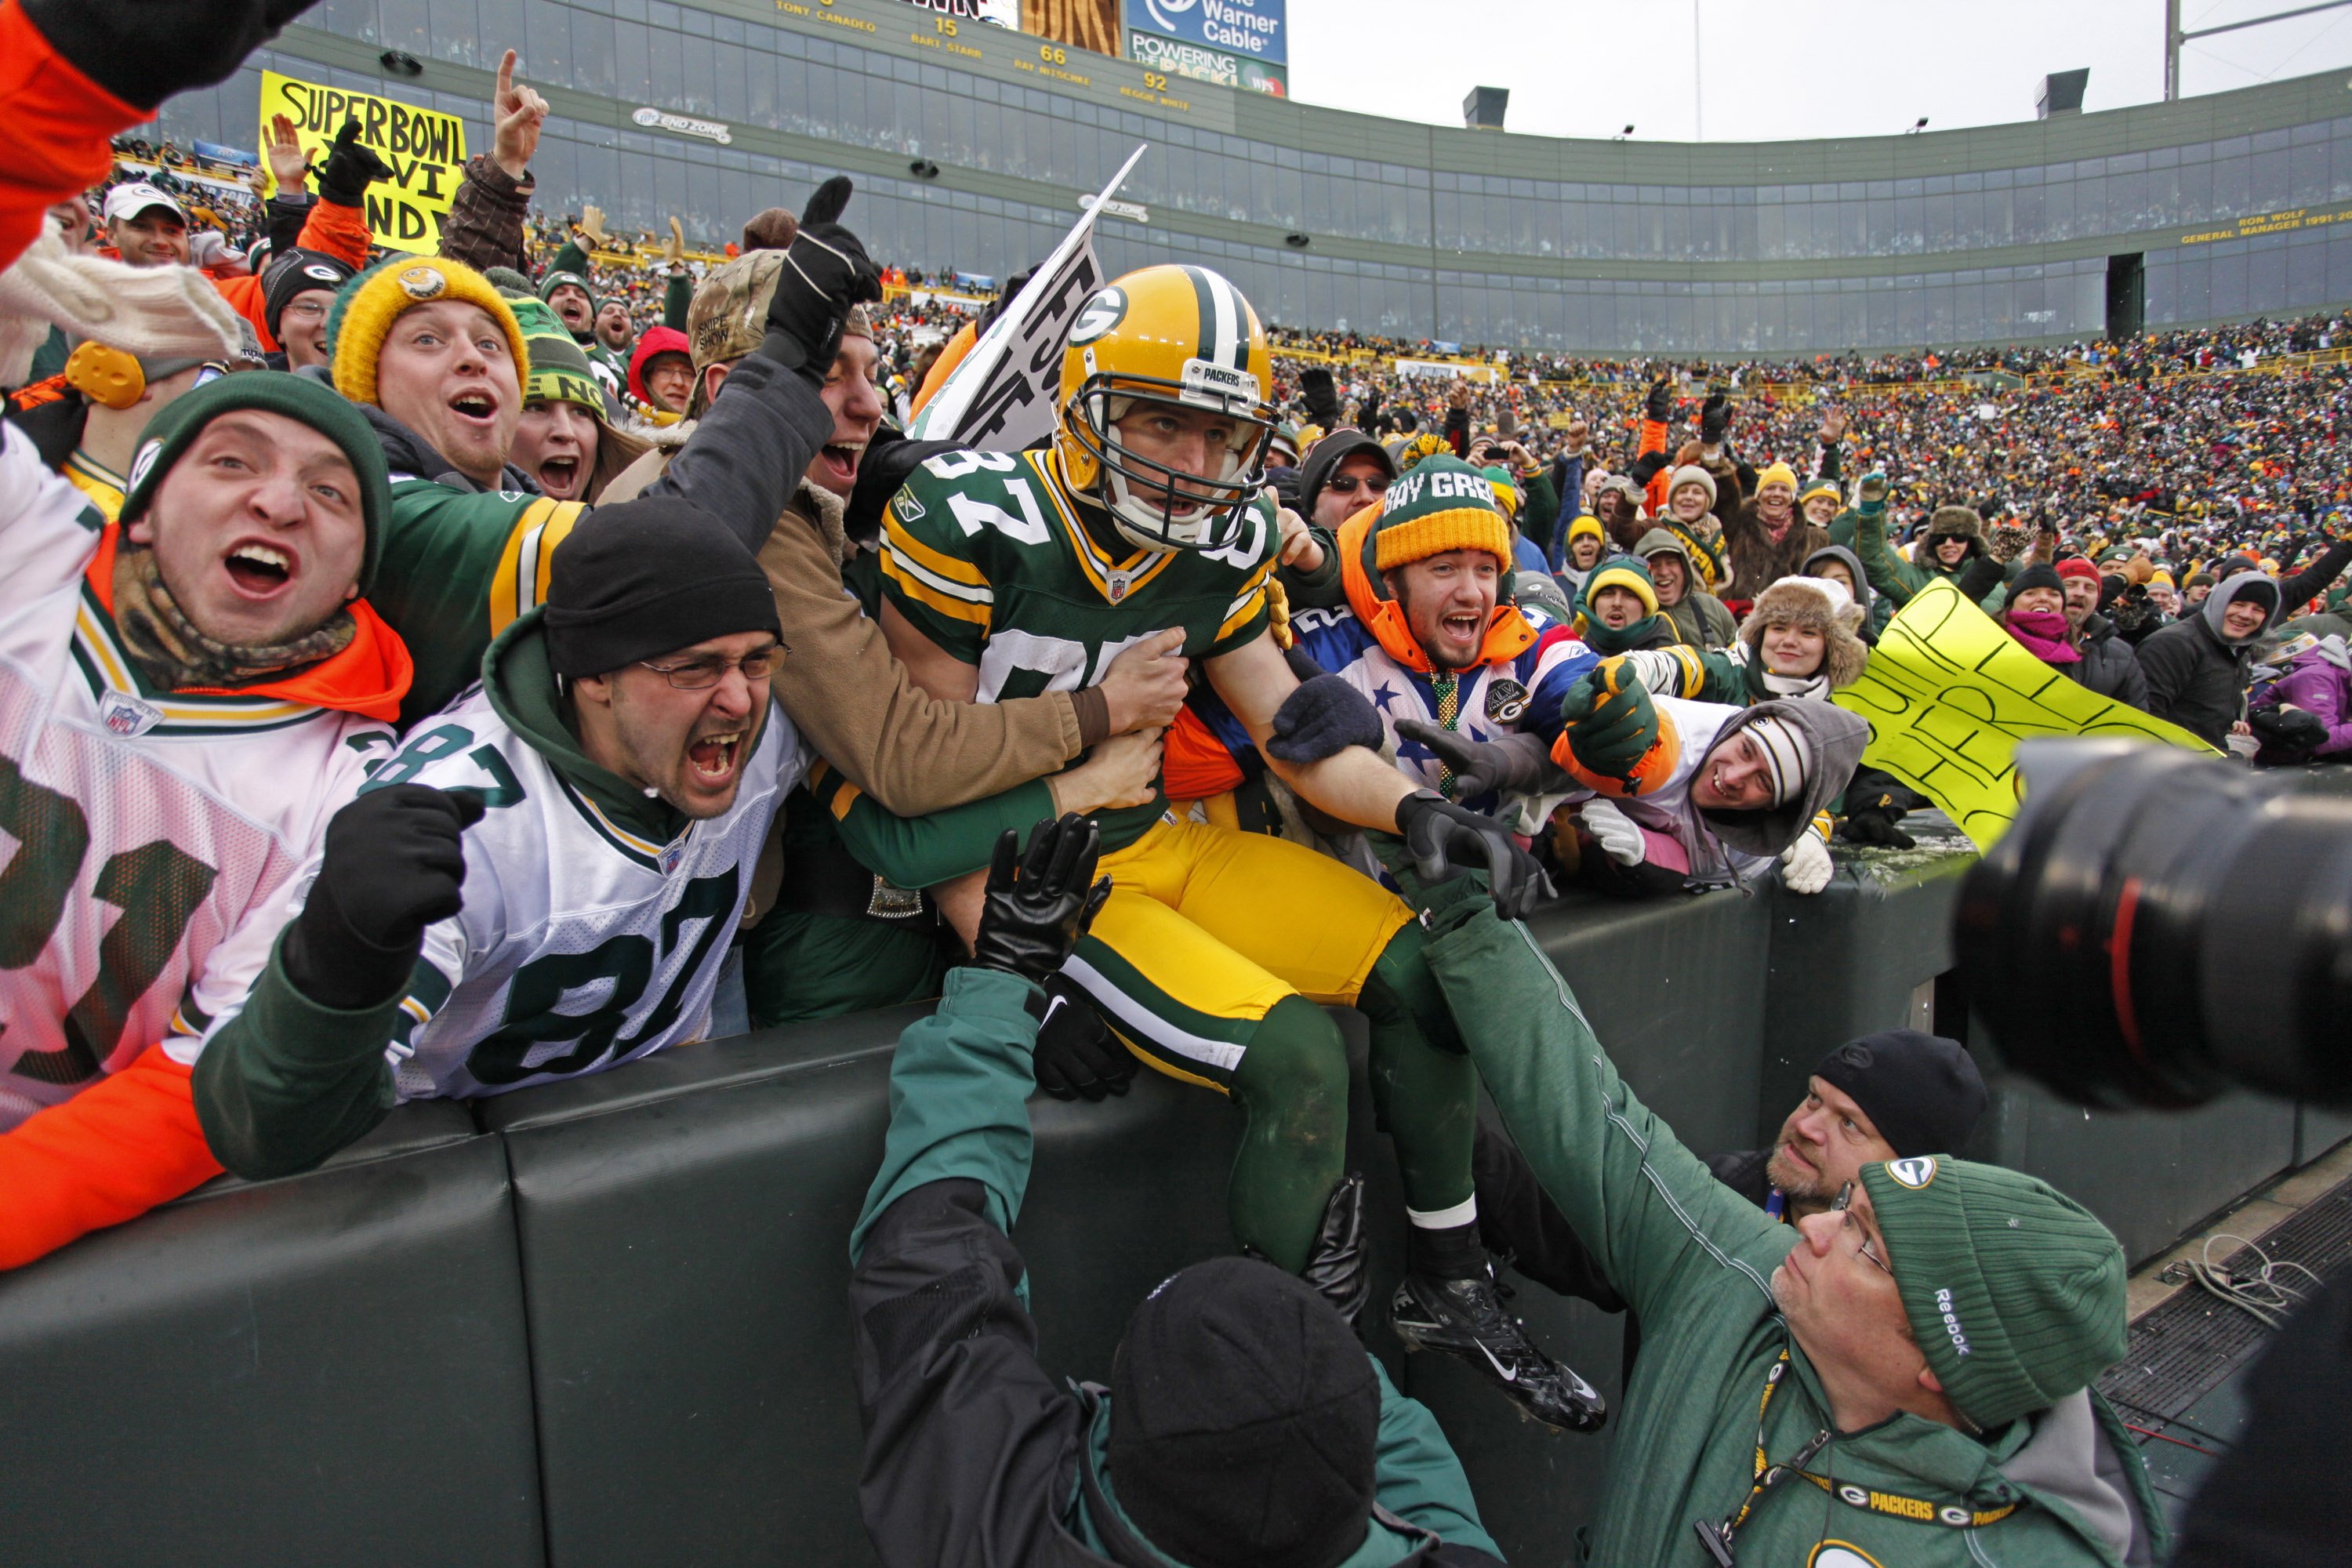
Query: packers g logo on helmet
{"type": "Point", "coordinates": [1182, 343]}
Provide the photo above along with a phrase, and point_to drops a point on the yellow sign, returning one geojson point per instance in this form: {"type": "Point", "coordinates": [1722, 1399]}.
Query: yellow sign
{"type": "Point", "coordinates": [427, 150]}
{"type": "Point", "coordinates": [1948, 695]}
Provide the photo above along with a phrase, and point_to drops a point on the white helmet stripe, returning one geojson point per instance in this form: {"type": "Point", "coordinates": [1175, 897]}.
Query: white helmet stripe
{"type": "Point", "coordinates": [1226, 303]}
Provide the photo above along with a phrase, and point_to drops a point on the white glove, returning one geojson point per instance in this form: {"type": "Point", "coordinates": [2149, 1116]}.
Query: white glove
{"type": "Point", "coordinates": [1614, 831]}
{"type": "Point", "coordinates": [1805, 865]}
{"type": "Point", "coordinates": [156, 312]}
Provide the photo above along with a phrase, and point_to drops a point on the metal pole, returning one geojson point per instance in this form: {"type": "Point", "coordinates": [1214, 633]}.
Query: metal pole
{"type": "Point", "coordinates": [2171, 51]}
{"type": "Point", "coordinates": [1698, 79]}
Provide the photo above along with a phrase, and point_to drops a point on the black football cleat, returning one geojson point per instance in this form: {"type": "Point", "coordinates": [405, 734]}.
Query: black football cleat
{"type": "Point", "coordinates": [1464, 1318]}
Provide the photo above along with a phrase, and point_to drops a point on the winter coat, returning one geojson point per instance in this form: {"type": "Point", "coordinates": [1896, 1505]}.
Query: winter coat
{"type": "Point", "coordinates": [1978, 578]}
{"type": "Point", "coordinates": [1757, 559]}
{"type": "Point", "coordinates": [2318, 682]}
{"type": "Point", "coordinates": [972, 1453]}
{"type": "Point", "coordinates": [1693, 1261]}
{"type": "Point", "coordinates": [1877, 608]}
{"type": "Point", "coordinates": [1700, 618]}
{"type": "Point", "coordinates": [2108, 666]}
{"type": "Point", "coordinates": [2196, 678]}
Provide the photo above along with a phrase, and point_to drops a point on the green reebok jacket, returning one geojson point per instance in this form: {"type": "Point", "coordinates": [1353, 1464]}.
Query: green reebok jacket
{"type": "Point", "coordinates": [1694, 1262]}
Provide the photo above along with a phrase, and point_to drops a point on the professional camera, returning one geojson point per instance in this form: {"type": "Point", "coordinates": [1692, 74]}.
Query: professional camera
{"type": "Point", "coordinates": [2157, 926]}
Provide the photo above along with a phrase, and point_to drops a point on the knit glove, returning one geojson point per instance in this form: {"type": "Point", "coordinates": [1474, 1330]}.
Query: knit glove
{"type": "Point", "coordinates": [350, 169]}
{"type": "Point", "coordinates": [1714, 420]}
{"type": "Point", "coordinates": [1659, 406]}
{"type": "Point", "coordinates": [1445, 840]}
{"type": "Point", "coordinates": [825, 272]}
{"type": "Point", "coordinates": [1317, 390]}
{"type": "Point", "coordinates": [1805, 865]}
{"type": "Point", "coordinates": [143, 51]}
{"type": "Point", "coordinates": [2006, 541]}
{"type": "Point", "coordinates": [156, 312]}
{"type": "Point", "coordinates": [1609, 726]}
{"type": "Point", "coordinates": [1870, 497]}
{"type": "Point", "coordinates": [1323, 718]}
{"type": "Point", "coordinates": [828, 201]}
{"type": "Point", "coordinates": [1613, 831]}
{"type": "Point", "coordinates": [1038, 904]}
{"type": "Point", "coordinates": [1520, 762]}
{"type": "Point", "coordinates": [1076, 1058]}
{"type": "Point", "coordinates": [392, 864]}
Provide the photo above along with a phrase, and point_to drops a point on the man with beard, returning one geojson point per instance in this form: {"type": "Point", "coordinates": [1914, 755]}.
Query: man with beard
{"type": "Point", "coordinates": [1882, 1097]}
{"type": "Point", "coordinates": [592, 814]}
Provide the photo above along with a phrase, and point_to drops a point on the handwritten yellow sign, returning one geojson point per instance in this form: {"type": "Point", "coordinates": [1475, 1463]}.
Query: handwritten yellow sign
{"type": "Point", "coordinates": [426, 148]}
{"type": "Point", "coordinates": [1948, 695]}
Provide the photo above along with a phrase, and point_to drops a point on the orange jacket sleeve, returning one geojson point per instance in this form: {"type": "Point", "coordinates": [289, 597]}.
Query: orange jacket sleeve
{"type": "Point", "coordinates": [110, 1153]}
{"type": "Point", "coordinates": [245, 297]}
{"type": "Point", "coordinates": [53, 137]}
{"type": "Point", "coordinates": [340, 231]}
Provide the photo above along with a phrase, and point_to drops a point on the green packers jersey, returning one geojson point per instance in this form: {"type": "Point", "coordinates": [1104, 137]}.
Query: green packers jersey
{"type": "Point", "coordinates": [985, 554]}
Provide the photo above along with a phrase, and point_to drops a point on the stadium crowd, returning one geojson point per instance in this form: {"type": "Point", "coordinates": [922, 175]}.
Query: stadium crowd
{"type": "Point", "coordinates": [472, 670]}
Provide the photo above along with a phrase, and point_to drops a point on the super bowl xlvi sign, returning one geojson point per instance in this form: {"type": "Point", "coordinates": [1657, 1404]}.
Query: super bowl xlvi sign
{"type": "Point", "coordinates": [1253, 30]}
{"type": "Point", "coordinates": [684, 125]}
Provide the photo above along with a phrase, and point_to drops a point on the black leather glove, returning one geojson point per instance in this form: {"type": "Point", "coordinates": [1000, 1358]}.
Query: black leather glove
{"type": "Point", "coordinates": [143, 51]}
{"type": "Point", "coordinates": [1521, 761]}
{"type": "Point", "coordinates": [1322, 398]}
{"type": "Point", "coordinates": [350, 169]}
{"type": "Point", "coordinates": [1323, 718]}
{"type": "Point", "coordinates": [1077, 1057]}
{"type": "Point", "coordinates": [392, 865]}
{"type": "Point", "coordinates": [1038, 904]}
{"type": "Point", "coordinates": [1869, 826]}
{"type": "Point", "coordinates": [1437, 832]}
{"type": "Point", "coordinates": [825, 271]}
{"type": "Point", "coordinates": [1339, 1264]}
{"type": "Point", "coordinates": [1714, 420]}
{"type": "Point", "coordinates": [1659, 406]}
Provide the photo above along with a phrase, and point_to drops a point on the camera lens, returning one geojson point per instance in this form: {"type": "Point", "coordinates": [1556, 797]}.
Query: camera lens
{"type": "Point", "coordinates": [2156, 926]}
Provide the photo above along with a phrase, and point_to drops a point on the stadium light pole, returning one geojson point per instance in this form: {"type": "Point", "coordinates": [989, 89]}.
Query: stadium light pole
{"type": "Point", "coordinates": [2174, 37]}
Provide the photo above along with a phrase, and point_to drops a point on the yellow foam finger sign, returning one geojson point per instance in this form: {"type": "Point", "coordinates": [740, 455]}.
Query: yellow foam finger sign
{"type": "Point", "coordinates": [1948, 695]}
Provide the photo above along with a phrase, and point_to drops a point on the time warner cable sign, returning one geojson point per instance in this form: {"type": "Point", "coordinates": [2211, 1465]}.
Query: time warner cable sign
{"type": "Point", "coordinates": [1253, 29]}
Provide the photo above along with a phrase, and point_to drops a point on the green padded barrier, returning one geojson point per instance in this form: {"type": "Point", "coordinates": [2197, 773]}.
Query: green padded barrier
{"type": "Point", "coordinates": [329, 1369]}
{"type": "Point", "coordinates": [1846, 961]}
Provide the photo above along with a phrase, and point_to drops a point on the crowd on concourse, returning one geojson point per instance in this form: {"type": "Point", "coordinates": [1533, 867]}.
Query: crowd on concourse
{"type": "Point", "coordinates": [432, 675]}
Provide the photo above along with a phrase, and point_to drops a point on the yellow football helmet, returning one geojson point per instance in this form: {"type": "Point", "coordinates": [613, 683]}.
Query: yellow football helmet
{"type": "Point", "coordinates": [1183, 340]}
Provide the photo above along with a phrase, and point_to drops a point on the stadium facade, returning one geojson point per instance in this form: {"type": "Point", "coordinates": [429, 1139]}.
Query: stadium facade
{"type": "Point", "coordinates": [971, 143]}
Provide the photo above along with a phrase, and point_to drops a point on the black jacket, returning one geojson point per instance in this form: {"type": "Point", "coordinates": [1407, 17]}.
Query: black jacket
{"type": "Point", "coordinates": [2109, 665]}
{"type": "Point", "coordinates": [2194, 678]}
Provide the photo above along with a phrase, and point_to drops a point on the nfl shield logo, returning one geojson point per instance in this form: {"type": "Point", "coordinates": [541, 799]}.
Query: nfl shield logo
{"type": "Point", "coordinates": [125, 715]}
{"type": "Point", "coordinates": [670, 858]}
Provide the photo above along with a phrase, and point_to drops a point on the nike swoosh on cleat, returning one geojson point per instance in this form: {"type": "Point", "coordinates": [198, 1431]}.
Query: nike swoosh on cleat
{"type": "Point", "coordinates": [1505, 1376]}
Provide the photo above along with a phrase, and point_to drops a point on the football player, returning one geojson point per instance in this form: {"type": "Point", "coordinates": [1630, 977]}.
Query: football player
{"type": "Point", "coordinates": [1011, 573]}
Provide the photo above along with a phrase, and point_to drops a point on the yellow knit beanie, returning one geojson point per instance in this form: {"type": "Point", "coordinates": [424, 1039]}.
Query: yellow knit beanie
{"type": "Point", "coordinates": [369, 304]}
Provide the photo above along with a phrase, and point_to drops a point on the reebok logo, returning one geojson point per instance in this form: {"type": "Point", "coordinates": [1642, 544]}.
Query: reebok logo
{"type": "Point", "coordinates": [1951, 1323]}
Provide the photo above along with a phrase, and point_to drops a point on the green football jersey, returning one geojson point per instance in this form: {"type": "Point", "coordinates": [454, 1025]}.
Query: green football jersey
{"type": "Point", "coordinates": [985, 554]}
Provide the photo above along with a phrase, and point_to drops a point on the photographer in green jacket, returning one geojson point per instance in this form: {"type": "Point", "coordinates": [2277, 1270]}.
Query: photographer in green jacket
{"type": "Point", "coordinates": [1904, 1379]}
{"type": "Point", "coordinates": [1243, 1426]}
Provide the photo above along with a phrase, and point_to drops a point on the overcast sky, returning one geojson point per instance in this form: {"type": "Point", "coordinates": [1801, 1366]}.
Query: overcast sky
{"type": "Point", "coordinates": [1778, 68]}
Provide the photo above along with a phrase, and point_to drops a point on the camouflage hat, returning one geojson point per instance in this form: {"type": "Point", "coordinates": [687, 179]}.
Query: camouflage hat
{"type": "Point", "coordinates": [729, 316]}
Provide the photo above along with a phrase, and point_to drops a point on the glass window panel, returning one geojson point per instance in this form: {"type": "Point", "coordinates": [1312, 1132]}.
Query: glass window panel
{"type": "Point", "coordinates": [591, 53]}
{"type": "Point", "coordinates": [406, 26]}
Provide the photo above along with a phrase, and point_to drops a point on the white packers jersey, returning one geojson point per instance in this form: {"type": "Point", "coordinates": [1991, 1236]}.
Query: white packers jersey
{"type": "Point", "coordinates": [581, 946]}
{"type": "Point", "coordinates": [148, 836]}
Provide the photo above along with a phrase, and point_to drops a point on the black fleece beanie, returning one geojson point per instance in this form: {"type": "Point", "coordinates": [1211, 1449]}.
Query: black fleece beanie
{"type": "Point", "coordinates": [1921, 1091]}
{"type": "Point", "coordinates": [1244, 1421]}
{"type": "Point", "coordinates": [645, 578]}
{"type": "Point", "coordinates": [2041, 575]}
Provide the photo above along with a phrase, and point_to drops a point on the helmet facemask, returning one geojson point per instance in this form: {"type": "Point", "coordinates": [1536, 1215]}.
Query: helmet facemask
{"type": "Point", "coordinates": [1157, 506]}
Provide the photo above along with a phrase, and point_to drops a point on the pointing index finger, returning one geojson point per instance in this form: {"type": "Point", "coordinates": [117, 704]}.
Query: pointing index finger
{"type": "Point", "coordinates": [506, 77]}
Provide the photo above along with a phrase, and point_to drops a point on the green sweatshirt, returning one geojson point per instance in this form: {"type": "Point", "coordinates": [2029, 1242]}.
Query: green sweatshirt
{"type": "Point", "coordinates": [1695, 1261]}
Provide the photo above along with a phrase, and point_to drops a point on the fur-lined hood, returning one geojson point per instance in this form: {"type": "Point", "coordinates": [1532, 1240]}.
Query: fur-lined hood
{"type": "Point", "coordinates": [1814, 603]}
{"type": "Point", "coordinates": [1963, 520]}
